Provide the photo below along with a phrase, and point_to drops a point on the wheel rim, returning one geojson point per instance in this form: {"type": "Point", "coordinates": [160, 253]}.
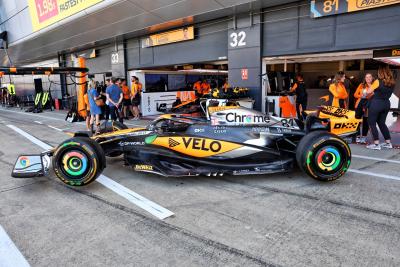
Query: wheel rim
{"type": "Point", "coordinates": [328, 158]}
{"type": "Point", "coordinates": [75, 164]}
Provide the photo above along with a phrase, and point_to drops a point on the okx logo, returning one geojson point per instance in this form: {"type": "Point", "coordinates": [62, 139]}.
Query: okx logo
{"type": "Point", "coordinates": [173, 143]}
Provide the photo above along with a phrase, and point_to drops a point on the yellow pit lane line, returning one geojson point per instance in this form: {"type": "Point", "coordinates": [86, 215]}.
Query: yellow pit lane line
{"type": "Point", "coordinates": [133, 197]}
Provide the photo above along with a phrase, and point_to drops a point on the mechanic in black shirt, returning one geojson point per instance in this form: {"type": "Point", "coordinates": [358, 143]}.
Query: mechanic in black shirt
{"type": "Point", "coordinates": [299, 88]}
{"type": "Point", "coordinates": [379, 107]}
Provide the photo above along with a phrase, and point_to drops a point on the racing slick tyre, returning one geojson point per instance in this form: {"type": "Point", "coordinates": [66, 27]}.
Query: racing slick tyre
{"type": "Point", "coordinates": [323, 156]}
{"type": "Point", "coordinates": [117, 126]}
{"type": "Point", "coordinates": [78, 161]}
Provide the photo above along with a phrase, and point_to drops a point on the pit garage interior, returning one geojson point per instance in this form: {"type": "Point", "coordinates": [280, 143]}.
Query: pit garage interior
{"type": "Point", "coordinates": [319, 70]}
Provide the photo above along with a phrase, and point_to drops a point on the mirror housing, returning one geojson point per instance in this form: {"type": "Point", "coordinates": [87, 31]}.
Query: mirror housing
{"type": "Point", "coordinates": [29, 166]}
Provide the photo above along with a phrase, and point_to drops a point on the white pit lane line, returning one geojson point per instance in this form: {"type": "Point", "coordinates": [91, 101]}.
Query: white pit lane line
{"type": "Point", "coordinates": [128, 123]}
{"type": "Point", "coordinates": [10, 256]}
{"type": "Point", "coordinates": [140, 201]}
{"type": "Point", "coordinates": [390, 177]}
{"type": "Point", "coordinates": [385, 176]}
{"type": "Point", "coordinates": [376, 159]}
{"type": "Point", "coordinates": [55, 128]}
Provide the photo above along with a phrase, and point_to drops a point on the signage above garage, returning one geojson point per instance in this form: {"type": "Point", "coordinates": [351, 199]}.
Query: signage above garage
{"type": "Point", "coordinates": [47, 12]}
{"type": "Point", "coordinates": [322, 8]}
{"type": "Point", "coordinates": [174, 36]}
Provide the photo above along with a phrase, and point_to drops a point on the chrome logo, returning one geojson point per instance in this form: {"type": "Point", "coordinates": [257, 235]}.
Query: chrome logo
{"type": "Point", "coordinates": [75, 163]}
{"type": "Point", "coordinates": [24, 161]}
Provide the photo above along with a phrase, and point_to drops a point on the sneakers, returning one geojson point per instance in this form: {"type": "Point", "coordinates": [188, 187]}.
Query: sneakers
{"type": "Point", "coordinates": [387, 145]}
{"type": "Point", "coordinates": [374, 146]}
{"type": "Point", "coordinates": [361, 140]}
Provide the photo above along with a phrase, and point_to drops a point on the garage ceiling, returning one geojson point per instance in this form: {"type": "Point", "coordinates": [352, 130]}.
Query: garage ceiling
{"type": "Point", "coordinates": [125, 19]}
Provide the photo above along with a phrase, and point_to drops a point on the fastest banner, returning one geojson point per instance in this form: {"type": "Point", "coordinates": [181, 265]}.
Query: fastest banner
{"type": "Point", "coordinates": [47, 12]}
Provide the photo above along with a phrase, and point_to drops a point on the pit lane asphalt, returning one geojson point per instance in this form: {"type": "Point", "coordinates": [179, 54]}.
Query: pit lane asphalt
{"type": "Point", "coordinates": [279, 220]}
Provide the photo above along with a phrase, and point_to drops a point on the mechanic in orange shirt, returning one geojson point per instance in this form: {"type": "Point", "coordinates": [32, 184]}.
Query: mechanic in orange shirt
{"type": "Point", "coordinates": [226, 85]}
{"type": "Point", "coordinates": [136, 97]}
{"type": "Point", "coordinates": [288, 109]}
{"type": "Point", "coordinates": [338, 90]}
{"type": "Point", "coordinates": [205, 88]}
{"type": "Point", "coordinates": [126, 102]}
{"type": "Point", "coordinates": [87, 119]}
{"type": "Point", "coordinates": [197, 87]}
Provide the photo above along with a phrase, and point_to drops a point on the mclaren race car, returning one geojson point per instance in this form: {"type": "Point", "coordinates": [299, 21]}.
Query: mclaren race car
{"type": "Point", "coordinates": [228, 140]}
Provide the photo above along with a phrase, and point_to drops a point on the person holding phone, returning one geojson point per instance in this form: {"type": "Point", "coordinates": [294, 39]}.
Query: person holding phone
{"type": "Point", "coordinates": [361, 95]}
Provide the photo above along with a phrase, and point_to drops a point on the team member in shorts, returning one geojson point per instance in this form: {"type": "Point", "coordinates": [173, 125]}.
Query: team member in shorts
{"type": "Point", "coordinates": [136, 96]}
{"type": "Point", "coordinates": [126, 102]}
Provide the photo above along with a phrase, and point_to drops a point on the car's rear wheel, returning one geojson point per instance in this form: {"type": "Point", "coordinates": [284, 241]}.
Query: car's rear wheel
{"type": "Point", "coordinates": [78, 161]}
{"type": "Point", "coordinates": [323, 156]}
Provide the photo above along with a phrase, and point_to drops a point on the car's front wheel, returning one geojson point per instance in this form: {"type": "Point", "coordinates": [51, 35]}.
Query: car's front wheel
{"type": "Point", "coordinates": [78, 162]}
{"type": "Point", "coordinates": [323, 156]}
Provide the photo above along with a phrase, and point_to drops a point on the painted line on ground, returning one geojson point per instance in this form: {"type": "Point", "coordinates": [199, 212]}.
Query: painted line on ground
{"type": "Point", "coordinates": [10, 256]}
{"type": "Point", "coordinates": [377, 159]}
{"type": "Point", "coordinates": [32, 114]}
{"type": "Point", "coordinates": [38, 122]}
{"type": "Point", "coordinates": [30, 137]}
{"type": "Point", "coordinates": [59, 119]}
{"type": "Point", "coordinates": [385, 176]}
{"type": "Point", "coordinates": [55, 128]}
{"type": "Point", "coordinates": [140, 201]}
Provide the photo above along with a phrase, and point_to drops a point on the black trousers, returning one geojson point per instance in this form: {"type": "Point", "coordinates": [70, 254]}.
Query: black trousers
{"type": "Point", "coordinates": [106, 112]}
{"type": "Point", "coordinates": [303, 105]}
{"type": "Point", "coordinates": [115, 114]}
{"type": "Point", "coordinates": [342, 103]}
{"type": "Point", "coordinates": [377, 114]}
{"type": "Point", "coordinates": [364, 127]}
{"type": "Point", "coordinates": [360, 112]}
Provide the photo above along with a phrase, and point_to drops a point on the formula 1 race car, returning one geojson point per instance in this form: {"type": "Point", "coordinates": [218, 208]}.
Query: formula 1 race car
{"type": "Point", "coordinates": [228, 140]}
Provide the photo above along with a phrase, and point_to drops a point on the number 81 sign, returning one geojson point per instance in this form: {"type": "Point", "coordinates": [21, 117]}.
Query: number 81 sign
{"type": "Point", "coordinates": [321, 8]}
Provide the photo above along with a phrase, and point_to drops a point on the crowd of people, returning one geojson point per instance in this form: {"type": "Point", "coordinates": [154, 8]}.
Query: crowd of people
{"type": "Point", "coordinates": [372, 103]}
{"type": "Point", "coordinates": [114, 100]}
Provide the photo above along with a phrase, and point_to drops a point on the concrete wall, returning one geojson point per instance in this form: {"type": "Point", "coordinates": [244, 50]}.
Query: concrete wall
{"type": "Point", "coordinates": [210, 44]}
